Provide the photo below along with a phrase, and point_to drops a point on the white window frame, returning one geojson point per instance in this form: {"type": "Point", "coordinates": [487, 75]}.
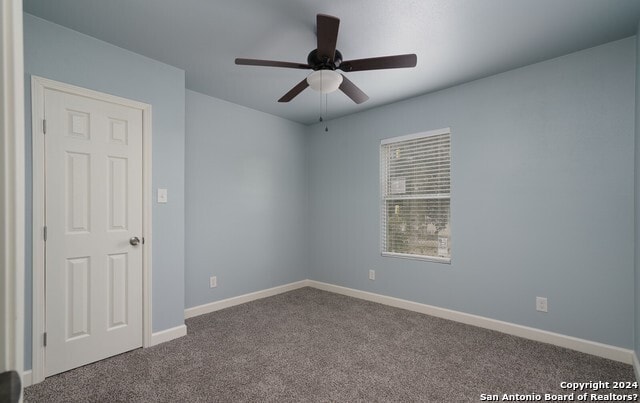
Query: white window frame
{"type": "Point", "coordinates": [413, 136]}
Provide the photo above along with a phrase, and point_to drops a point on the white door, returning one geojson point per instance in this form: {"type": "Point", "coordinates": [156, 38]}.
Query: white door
{"type": "Point", "coordinates": [93, 214]}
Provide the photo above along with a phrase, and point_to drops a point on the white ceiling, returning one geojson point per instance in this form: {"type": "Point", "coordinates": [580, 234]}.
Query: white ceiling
{"type": "Point", "coordinates": [455, 40]}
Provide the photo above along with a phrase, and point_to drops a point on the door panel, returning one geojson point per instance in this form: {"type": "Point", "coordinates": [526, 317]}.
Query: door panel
{"type": "Point", "coordinates": [77, 298]}
{"type": "Point", "coordinates": [93, 192]}
{"type": "Point", "coordinates": [118, 298]}
{"type": "Point", "coordinates": [117, 197]}
{"type": "Point", "coordinates": [78, 189]}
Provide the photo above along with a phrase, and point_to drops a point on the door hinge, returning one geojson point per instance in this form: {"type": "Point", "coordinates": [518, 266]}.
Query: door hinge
{"type": "Point", "coordinates": [45, 233]}
{"type": "Point", "coordinates": [143, 240]}
{"type": "Point", "coordinates": [44, 339]}
{"type": "Point", "coordinates": [44, 126]}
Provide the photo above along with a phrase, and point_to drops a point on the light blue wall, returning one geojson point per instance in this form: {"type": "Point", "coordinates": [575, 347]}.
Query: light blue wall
{"type": "Point", "coordinates": [542, 196]}
{"type": "Point", "coordinates": [61, 54]}
{"type": "Point", "coordinates": [246, 195]}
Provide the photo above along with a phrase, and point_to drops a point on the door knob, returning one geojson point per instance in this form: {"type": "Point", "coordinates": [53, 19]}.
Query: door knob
{"type": "Point", "coordinates": [134, 241]}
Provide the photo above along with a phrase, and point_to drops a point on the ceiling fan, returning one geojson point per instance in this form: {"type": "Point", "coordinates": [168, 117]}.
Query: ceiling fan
{"type": "Point", "coordinates": [326, 59]}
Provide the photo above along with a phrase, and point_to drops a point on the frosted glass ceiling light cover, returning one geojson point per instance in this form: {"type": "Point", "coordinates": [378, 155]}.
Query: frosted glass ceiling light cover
{"type": "Point", "coordinates": [324, 81]}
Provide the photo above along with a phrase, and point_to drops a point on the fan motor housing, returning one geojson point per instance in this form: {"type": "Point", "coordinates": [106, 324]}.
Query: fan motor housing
{"type": "Point", "coordinates": [318, 63]}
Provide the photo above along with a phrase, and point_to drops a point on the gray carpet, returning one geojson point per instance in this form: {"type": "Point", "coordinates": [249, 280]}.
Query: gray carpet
{"type": "Point", "coordinates": [311, 345]}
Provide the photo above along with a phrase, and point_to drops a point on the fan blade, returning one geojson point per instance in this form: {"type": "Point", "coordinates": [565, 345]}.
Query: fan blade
{"type": "Point", "coordinates": [377, 63]}
{"type": "Point", "coordinates": [294, 91]}
{"type": "Point", "coordinates": [327, 27]}
{"type": "Point", "coordinates": [352, 91]}
{"type": "Point", "coordinates": [271, 63]}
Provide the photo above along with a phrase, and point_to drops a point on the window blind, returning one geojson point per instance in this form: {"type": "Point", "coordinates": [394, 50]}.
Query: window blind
{"type": "Point", "coordinates": [415, 201]}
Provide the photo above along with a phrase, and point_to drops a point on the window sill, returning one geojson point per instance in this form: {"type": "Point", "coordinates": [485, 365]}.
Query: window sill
{"type": "Point", "coordinates": [445, 260]}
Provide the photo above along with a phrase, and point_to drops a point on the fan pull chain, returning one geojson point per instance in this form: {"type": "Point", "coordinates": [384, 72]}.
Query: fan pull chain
{"type": "Point", "coordinates": [325, 100]}
{"type": "Point", "coordinates": [320, 120]}
{"type": "Point", "coordinates": [323, 111]}
{"type": "Point", "coordinates": [326, 110]}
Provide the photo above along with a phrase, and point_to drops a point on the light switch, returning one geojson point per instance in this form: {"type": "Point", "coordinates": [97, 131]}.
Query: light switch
{"type": "Point", "coordinates": [162, 195]}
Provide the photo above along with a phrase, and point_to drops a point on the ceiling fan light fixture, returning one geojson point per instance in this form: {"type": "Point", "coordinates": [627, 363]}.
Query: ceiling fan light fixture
{"type": "Point", "coordinates": [324, 81]}
{"type": "Point", "coordinates": [325, 59]}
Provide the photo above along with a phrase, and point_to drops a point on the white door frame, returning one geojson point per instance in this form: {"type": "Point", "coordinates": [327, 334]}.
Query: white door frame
{"type": "Point", "coordinates": [12, 186]}
{"type": "Point", "coordinates": [38, 87]}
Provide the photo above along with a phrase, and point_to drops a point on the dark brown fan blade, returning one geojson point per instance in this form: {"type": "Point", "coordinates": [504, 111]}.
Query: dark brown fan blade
{"type": "Point", "coordinates": [294, 91]}
{"type": "Point", "coordinates": [377, 63]}
{"type": "Point", "coordinates": [327, 27]}
{"type": "Point", "coordinates": [271, 63]}
{"type": "Point", "coordinates": [352, 91]}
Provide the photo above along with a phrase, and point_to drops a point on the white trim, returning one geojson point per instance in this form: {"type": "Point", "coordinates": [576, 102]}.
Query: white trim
{"type": "Point", "coordinates": [573, 343]}
{"type": "Point", "coordinates": [147, 206]}
{"type": "Point", "coordinates": [26, 378]}
{"type": "Point", "coordinates": [12, 188]}
{"type": "Point", "coordinates": [414, 136]}
{"type": "Point", "coordinates": [241, 299]}
{"type": "Point", "coordinates": [636, 366]}
{"type": "Point", "coordinates": [167, 335]}
{"type": "Point", "coordinates": [37, 202]}
{"type": "Point", "coordinates": [38, 86]}
{"type": "Point", "coordinates": [446, 260]}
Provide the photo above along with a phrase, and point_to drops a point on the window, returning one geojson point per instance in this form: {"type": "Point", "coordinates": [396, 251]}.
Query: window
{"type": "Point", "coordinates": [415, 198]}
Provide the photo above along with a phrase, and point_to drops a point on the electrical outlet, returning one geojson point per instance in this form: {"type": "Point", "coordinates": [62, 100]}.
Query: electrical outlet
{"type": "Point", "coordinates": [162, 195]}
{"type": "Point", "coordinates": [213, 282]}
{"type": "Point", "coordinates": [372, 274]}
{"type": "Point", "coordinates": [541, 304]}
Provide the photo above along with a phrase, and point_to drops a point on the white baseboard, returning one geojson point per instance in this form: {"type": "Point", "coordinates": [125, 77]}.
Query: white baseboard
{"type": "Point", "coordinates": [26, 378]}
{"type": "Point", "coordinates": [241, 299]}
{"type": "Point", "coordinates": [636, 366]}
{"type": "Point", "coordinates": [169, 334]}
{"type": "Point", "coordinates": [573, 343]}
